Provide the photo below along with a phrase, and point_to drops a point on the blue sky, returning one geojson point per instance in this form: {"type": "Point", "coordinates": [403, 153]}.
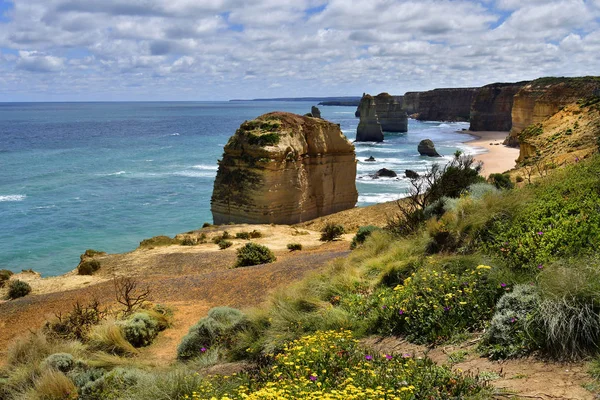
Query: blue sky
{"type": "Point", "coordinates": [82, 50]}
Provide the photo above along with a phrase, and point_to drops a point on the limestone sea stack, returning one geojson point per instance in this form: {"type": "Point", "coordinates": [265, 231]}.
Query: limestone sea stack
{"type": "Point", "coordinates": [369, 128]}
{"type": "Point", "coordinates": [284, 168]}
{"type": "Point", "coordinates": [390, 113]}
{"type": "Point", "coordinates": [427, 148]}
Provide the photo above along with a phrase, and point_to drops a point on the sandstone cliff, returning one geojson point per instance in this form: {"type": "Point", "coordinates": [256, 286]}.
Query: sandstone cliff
{"type": "Point", "coordinates": [491, 109]}
{"type": "Point", "coordinates": [544, 97]}
{"type": "Point", "coordinates": [382, 113]}
{"type": "Point", "coordinates": [369, 128]}
{"type": "Point", "coordinates": [440, 104]}
{"type": "Point", "coordinates": [284, 168]}
{"type": "Point", "coordinates": [570, 134]}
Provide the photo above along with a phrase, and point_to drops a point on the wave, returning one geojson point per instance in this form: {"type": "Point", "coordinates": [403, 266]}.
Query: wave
{"type": "Point", "coordinates": [206, 167]}
{"type": "Point", "coordinates": [115, 173]}
{"type": "Point", "coordinates": [174, 134]}
{"type": "Point", "coordinates": [13, 197]}
{"type": "Point", "coordinates": [378, 198]}
{"type": "Point", "coordinates": [194, 174]}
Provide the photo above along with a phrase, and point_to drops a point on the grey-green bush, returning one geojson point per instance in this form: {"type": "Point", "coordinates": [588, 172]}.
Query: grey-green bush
{"type": "Point", "coordinates": [254, 254]}
{"type": "Point", "coordinates": [362, 234]}
{"type": "Point", "coordinates": [62, 362]}
{"type": "Point", "coordinates": [4, 276]}
{"type": "Point", "coordinates": [509, 333]}
{"type": "Point", "coordinates": [332, 232]}
{"type": "Point", "coordinates": [224, 244]}
{"type": "Point", "coordinates": [219, 327]}
{"type": "Point", "coordinates": [140, 329]}
{"type": "Point", "coordinates": [294, 246]}
{"type": "Point", "coordinates": [18, 289]}
{"type": "Point", "coordinates": [113, 385]}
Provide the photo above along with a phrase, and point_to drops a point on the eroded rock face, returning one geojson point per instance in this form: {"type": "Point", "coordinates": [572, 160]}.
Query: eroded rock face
{"type": "Point", "coordinates": [440, 104]}
{"type": "Point", "coordinates": [427, 148]}
{"type": "Point", "coordinates": [315, 112]}
{"type": "Point", "coordinates": [284, 168]}
{"type": "Point", "coordinates": [369, 128]}
{"type": "Point", "coordinates": [544, 97]}
{"type": "Point", "coordinates": [492, 107]}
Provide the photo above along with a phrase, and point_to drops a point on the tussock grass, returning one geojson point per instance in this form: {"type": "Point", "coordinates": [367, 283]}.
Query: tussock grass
{"type": "Point", "coordinates": [109, 337]}
{"type": "Point", "coordinates": [35, 347]}
{"type": "Point", "coordinates": [53, 385]}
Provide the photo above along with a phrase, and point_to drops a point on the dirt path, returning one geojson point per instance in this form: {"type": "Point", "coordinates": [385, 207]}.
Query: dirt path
{"type": "Point", "coordinates": [527, 378]}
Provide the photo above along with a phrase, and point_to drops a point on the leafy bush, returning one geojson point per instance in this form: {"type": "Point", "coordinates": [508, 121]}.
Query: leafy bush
{"type": "Point", "coordinates": [189, 241]}
{"type": "Point", "coordinates": [158, 241]}
{"type": "Point", "coordinates": [242, 235]}
{"type": "Point", "coordinates": [113, 385]}
{"type": "Point", "coordinates": [509, 333]}
{"type": "Point", "coordinates": [501, 181]}
{"type": "Point", "coordinates": [88, 267]}
{"type": "Point", "coordinates": [432, 305]}
{"type": "Point", "coordinates": [332, 365]}
{"type": "Point", "coordinates": [17, 288]}
{"type": "Point", "coordinates": [225, 244]}
{"type": "Point", "coordinates": [332, 232]}
{"type": "Point", "coordinates": [140, 329]}
{"type": "Point", "coordinates": [363, 233]}
{"type": "Point", "coordinates": [4, 276]}
{"type": "Point", "coordinates": [519, 179]}
{"type": "Point", "coordinates": [254, 254]}
{"type": "Point", "coordinates": [63, 362]}
{"type": "Point", "coordinates": [268, 139]}
{"type": "Point", "coordinates": [218, 328]}
{"type": "Point", "coordinates": [255, 234]}
{"type": "Point", "coordinates": [294, 246]}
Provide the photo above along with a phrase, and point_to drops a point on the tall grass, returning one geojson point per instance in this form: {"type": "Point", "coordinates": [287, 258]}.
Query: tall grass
{"type": "Point", "coordinates": [109, 337]}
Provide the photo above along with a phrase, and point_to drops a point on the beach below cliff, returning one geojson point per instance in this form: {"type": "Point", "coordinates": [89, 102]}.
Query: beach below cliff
{"type": "Point", "coordinates": [497, 157]}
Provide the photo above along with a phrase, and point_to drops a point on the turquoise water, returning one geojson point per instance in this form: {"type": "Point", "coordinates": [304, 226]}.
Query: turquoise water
{"type": "Point", "coordinates": [107, 175]}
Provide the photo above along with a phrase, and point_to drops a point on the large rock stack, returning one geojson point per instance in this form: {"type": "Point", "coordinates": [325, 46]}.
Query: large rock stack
{"type": "Point", "coordinates": [284, 168]}
{"type": "Point", "coordinates": [369, 128]}
{"type": "Point", "coordinates": [382, 113]}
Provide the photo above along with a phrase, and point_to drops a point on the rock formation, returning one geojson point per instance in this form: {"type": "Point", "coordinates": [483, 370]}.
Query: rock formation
{"type": "Point", "coordinates": [382, 113]}
{"type": "Point", "coordinates": [284, 168]}
{"type": "Point", "coordinates": [544, 97]}
{"type": "Point", "coordinates": [427, 148]}
{"type": "Point", "coordinates": [386, 173]}
{"type": "Point", "coordinates": [369, 128]}
{"type": "Point", "coordinates": [440, 104]}
{"type": "Point", "coordinates": [370, 159]}
{"type": "Point", "coordinates": [315, 112]}
{"type": "Point", "coordinates": [492, 107]}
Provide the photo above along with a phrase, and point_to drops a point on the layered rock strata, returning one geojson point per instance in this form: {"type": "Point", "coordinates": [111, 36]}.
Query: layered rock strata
{"type": "Point", "coordinates": [284, 168]}
{"type": "Point", "coordinates": [491, 109]}
{"type": "Point", "coordinates": [382, 113]}
{"type": "Point", "coordinates": [440, 104]}
{"type": "Point", "coordinates": [544, 97]}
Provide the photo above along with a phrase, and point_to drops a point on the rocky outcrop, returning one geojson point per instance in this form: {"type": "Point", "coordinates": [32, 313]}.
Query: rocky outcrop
{"type": "Point", "coordinates": [369, 128]}
{"type": "Point", "coordinates": [544, 97]}
{"type": "Point", "coordinates": [315, 112]}
{"type": "Point", "coordinates": [440, 104]}
{"type": "Point", "coordinates": [382, 113]}
{"type": "Point", "coordinates": [492, 107]}
{"type": "Point", "coordinates": [385, 173]}
{"type": "Point", "coordinates": [427, 148]}
{"type": "Point", "coordinates": [284, 168]}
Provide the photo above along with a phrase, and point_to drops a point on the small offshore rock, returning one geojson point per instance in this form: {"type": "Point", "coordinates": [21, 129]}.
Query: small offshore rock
{"type": "Point", "coordinates": [370, 159]}
{"type": "Point", "coordinates": [427, 148]}
{"type": "Point", "coordinates": [386, 173]}
{"type": "Point", "coordinates": [410, 174]}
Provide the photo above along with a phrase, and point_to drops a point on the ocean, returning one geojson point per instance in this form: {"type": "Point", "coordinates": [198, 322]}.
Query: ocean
{"type": "Point", "coordinates": [105, 176]}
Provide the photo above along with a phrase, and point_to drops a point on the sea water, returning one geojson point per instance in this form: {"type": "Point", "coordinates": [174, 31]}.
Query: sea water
{"type": "Point", "coordinates": [105, 176]}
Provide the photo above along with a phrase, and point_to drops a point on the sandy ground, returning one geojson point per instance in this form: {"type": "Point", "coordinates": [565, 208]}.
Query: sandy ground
{"type": "Point", "coordinates": [498, 158]}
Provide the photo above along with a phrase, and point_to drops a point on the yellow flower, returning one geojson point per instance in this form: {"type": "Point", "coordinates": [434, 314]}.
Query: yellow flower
{"type": "Point", "coordinates": [481, 266]}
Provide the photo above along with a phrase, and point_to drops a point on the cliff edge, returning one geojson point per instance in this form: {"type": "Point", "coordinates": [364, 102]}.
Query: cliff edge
{"type": "Point", "coordinates": [284, 168]}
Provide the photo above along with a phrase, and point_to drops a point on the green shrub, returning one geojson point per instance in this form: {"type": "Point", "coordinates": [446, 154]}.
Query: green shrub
{"type": "Point", "coordinates": [255, 234]}
{"type": "Point", "coordinates": [363, 233]}
{"type": "Point", "coordinates": [158, 241]}
{"type": "Point", "coordinates": [332, 232]}
{"type": "Point", "coordinates": [140, 329]}
{"type": "Point", "coordinates": [224, 244]}
{"type": "Point", "coordinates": [242, 235]}
{"type": "Point", "coordinates": [77, 322]}
{"type": "Point", "coordinates": [268, 139]}
{"type": "Point", "coordinates": [17, 288]}
{"type": "Point", "coordinates": [88, 267]}
{"type": "Point", "coordinates": [254, 254]}
{"type": "Point", "coordinates": [519, 179]}
{"type": "Point", "coordinates": [189, 241]}
{"type": "Point", "coordinates": [501, 181]}
{"type": "Point", "coordinates": [509, 333]}
{"type": "Point", "coordinates": [207, 225]}
{"type": "Point", "coordinates": [218, 328]}
{"type": "Point", "coordinates": [113, 385]}
{"type": "Point", "coordinates": [63, 362]}
{"type": "Point", "coordinates": [4, 276]}
{"type": "Point", "coordinates": [294, 246]}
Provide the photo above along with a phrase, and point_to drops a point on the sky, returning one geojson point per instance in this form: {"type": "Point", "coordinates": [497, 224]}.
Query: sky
{"type": "Point", "coordinates": [121, 50]}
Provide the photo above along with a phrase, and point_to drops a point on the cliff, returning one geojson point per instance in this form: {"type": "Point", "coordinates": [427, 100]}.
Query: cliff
{"type": "Point", "coordinates": [573, 133]}
{"type": "Point", "coordinates": [544, 97]}
{"type": "Point", "coordinates": [440, 104]}
{"type": "Point", "coordinates": [382, 113]}
{"type": "Point", "coordinates": [369, 128]}
{"type": "Point", "coordinates": [284, 168]}
{"type": "Point", "coordinates": [491, 109]}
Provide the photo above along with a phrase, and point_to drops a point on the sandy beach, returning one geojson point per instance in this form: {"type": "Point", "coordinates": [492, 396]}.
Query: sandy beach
{"type": "Point", "coordinates": [498, 158]}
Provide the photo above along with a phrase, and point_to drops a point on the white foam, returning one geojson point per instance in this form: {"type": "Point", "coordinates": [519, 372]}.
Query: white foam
{"type": "Point", "coordinates": [194, 174]}
{"type": "Point", "coordinates": [116, 173]}
{"type": "Point", "coordinates": [174, 134]}
{"type": "Point", "coordinates": [13, 197]}
{"type": "Point", "coordinates": [206, 167]}
{"type": "Point", "coordinates": [378, 198]}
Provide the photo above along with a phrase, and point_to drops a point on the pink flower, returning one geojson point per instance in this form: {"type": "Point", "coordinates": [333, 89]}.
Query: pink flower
{"type": "Point", "coordinates": [389, 357]}
{"type": "Point", "coordinates": [203, 350]}
{"type": "Point", "coordinates": [368, 358]}
{"type": "Point", "coordinates": [313, 378]}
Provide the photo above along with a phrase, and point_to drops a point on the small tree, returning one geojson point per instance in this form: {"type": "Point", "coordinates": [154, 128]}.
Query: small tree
{"type": "Point", "coordinates": [129, 294]}
{"type": "Point", "coordinates": [18, 289]}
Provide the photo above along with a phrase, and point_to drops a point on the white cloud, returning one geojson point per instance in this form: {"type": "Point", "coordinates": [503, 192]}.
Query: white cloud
{"type": "Point", "coordinates": [37, 62]}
